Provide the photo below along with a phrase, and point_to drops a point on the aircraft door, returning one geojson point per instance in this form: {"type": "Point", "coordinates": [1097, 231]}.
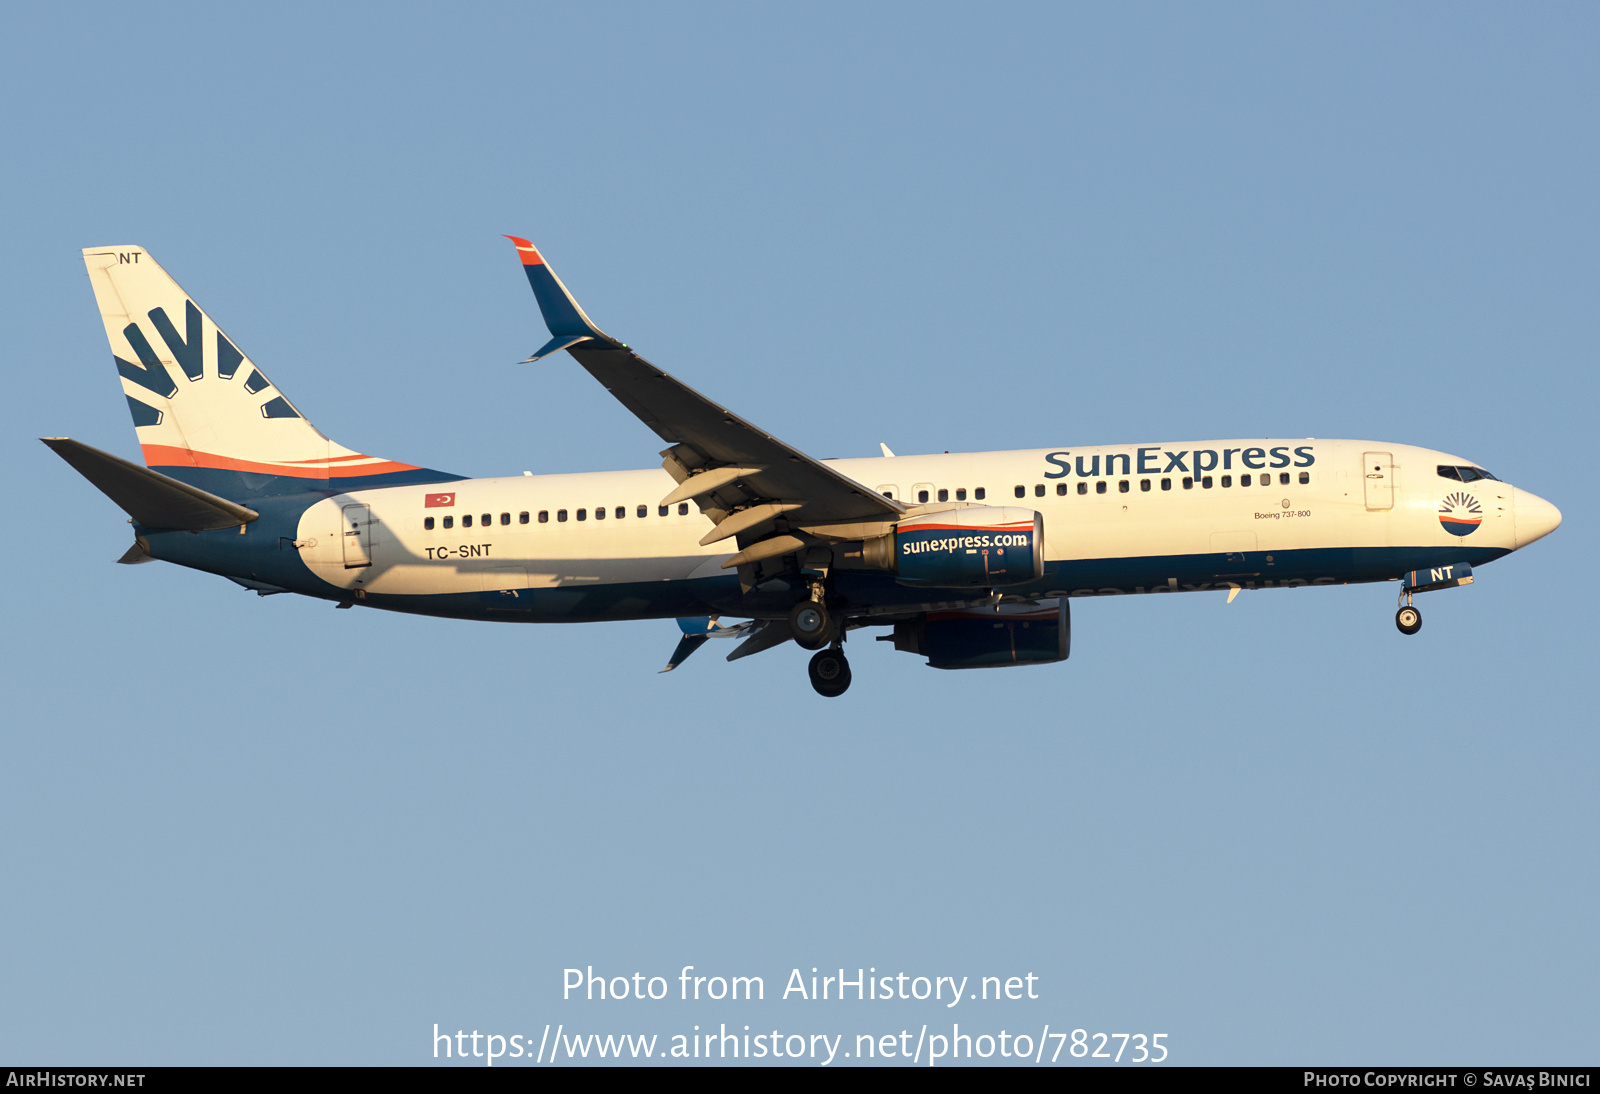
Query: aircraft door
{"type": "Point", "coordinates": [1377, 469]}
{"type": "Point", "coordinates": [357, 537]}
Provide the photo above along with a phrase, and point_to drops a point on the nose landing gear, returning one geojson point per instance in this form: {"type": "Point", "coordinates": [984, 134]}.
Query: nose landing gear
{"type": "Point", "coordinates": [830, 673]}
{"type": "Point", "coordinates": [1408, 619]}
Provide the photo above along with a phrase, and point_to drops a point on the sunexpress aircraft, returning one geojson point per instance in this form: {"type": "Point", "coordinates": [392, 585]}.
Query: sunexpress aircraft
{"type": "Point", "coordinates": [971, 559]}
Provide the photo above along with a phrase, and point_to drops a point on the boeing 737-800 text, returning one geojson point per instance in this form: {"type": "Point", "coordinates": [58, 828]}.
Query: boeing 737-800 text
{"type": "Point", "coordinates": [970, 558]}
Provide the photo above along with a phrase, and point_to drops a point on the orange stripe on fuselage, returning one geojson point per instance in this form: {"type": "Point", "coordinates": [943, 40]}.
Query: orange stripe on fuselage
{"type": "Point", "coordinates": [161, 455]}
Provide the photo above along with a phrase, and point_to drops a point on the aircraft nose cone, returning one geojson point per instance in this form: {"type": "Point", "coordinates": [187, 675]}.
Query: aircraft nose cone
{"type": "Point", "coordinates": [1535, 518]}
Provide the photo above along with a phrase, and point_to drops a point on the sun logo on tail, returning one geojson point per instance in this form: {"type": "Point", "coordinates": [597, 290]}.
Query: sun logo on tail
{"type": "Point", "coordinates": [1460, 514]}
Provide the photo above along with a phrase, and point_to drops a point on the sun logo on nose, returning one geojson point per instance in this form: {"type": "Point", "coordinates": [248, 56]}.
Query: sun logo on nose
{"type": "Point", "coordinates": [1460, 514]}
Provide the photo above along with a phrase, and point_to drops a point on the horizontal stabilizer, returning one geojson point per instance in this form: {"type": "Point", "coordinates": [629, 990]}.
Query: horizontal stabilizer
{"type": "Point", "coordinates": [764, 636]}
{"type": "Point", "coordinates": [149, 497]}
{"type": "Point", "coordinates": [686, 645]}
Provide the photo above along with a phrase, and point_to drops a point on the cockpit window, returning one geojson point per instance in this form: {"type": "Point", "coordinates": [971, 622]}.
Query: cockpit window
{"type": "Point", "coordinates": [1465, 474]}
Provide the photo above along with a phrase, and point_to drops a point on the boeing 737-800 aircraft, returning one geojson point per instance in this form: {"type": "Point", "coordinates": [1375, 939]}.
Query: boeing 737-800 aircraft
{"type": "Point", "coordinates": [971, 558]}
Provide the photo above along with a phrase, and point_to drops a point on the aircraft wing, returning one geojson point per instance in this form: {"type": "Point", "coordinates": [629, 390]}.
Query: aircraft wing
{"type": "Point", "coordinates": [752, 485]}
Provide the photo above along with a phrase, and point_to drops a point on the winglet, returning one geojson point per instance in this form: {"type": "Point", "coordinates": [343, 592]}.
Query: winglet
{"type": "Point", "coordinates": [556, 345]}
{"type": "Point", "coordinates": [527, 252]}
{"type": "Point", "coordinates": [567, 322]}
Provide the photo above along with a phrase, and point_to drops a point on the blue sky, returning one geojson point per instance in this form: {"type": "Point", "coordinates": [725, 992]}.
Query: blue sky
{"type": "Point", "coordinates": [257, 830]}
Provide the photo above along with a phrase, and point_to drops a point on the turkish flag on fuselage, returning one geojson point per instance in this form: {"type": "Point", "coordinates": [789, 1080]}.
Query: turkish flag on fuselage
{"type": "Point", "coordinates": [438, 501]}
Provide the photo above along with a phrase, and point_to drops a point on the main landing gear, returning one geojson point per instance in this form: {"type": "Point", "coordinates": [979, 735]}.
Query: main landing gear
{"type": "Point", "coordinates": [812, 625]}
{"type": "Point", "coordinates": [830, 672]}
{"type": "Point", "coordinates": [816, 628]}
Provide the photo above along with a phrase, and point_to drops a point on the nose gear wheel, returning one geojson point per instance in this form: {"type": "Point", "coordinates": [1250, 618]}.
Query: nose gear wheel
{"type": "Point", "coordinates": [1408, 619]}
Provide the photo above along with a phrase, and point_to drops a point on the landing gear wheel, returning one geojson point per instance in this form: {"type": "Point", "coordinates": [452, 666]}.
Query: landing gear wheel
{"type": "Point", "coordinates": [1408, 619]}
{"type": "Point", "coordinates": [830, 673]}
{"type": "Point", "coordinates": [811, 624]}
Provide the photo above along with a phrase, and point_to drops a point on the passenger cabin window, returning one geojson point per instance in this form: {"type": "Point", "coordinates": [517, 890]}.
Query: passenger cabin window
{"type": "Point", "coordinates": [961, 493]}
{"type": "Point", "coordinates": [1100, 487]}
{"type": "Point", "coordinates": [642, 512]}
{"type": "Point", "coordinates": [662, 511]}
{"type": "Point", "coordinates": [1205, 481]}
{"type": "Point", "coordinates": [1021, 491]}
{"type": "Point", "coordinates": [1227, 480]}
{"type": "Point", "coordinates": [599, 513]}
{"type": "Point", "coordinates": [448, 521]}
{"type": "Point", "coordinates": [1038, 490]}
{"type": "Point", "coordinates": [683, 508]}
{"type": "Point", "coordinates": [1283, 478]}
{"type": "Point", "coordinates": [1188, 483]}
{"type": "Point", "coordinates": [978, 494]}
{"type": "Point", "coordinates": [522, 518]}
{"type": "Point", "coordinates": [944, 495]}
{"type": "Point", "coordinates": [922, 495]}
{"type": "Point", "coordinates": [466, 521]}
{"type": "Point", "coordinates": [1061, 489]}
{"type": "Point", "coordinates": [427, 523]}
{"type": "Point", "coordinates": [583, 514]}
{"type": "Point", "coordinates": [1122, 486]}
{"type": "Point", "coordinates": [1166, 484]}
{"type": "Point", "coordinates": [1144, 486]}
{"type": "Point", "coordinates": [505, 518]}
{"type": "Point", "coordinates": [1305, 477]}
{"type": "Point", "coordinates": [561, 516]}
{"type": "Point", "coordinates": [488, 520]}
{"type": "Point", "coordinates": [544, 516]}
{"type": "Point", "coordinates": [1083, 488]}
{"type": "Point", "coordinates": [1244, 480]}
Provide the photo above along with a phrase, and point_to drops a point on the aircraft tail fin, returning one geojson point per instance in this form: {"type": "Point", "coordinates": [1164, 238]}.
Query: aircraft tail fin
{"type": "Point", "coordinates": [568, 323]}
{"type": "Point", "coordinates": [204, 413]}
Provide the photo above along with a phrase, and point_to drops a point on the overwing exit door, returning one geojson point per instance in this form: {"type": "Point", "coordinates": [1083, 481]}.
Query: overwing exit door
{"type": "Point", "coordinates": [357, 537]}
{"type": "Point", "coordinates": [1377, 471]}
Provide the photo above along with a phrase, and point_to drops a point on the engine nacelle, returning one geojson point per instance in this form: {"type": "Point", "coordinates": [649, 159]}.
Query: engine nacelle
{"type": "Point", "coordinates": [985, 546]}
{"type": "Point", "coordinates": [1031, 634]}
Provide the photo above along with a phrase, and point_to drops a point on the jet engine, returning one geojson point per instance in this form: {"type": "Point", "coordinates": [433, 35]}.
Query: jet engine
{"type": "Point", "coordinates": [1016, 634]}
{"type": "Point", "coordinates": [985, 546]}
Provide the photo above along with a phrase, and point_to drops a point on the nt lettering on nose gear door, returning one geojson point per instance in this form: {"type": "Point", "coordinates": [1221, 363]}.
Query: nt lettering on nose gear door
{"type": "Point", "coordinates": [357, 536]}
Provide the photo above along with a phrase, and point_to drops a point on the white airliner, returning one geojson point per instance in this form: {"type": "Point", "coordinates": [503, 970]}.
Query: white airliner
{"type": "Point", "coordinates": [970, 558]}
